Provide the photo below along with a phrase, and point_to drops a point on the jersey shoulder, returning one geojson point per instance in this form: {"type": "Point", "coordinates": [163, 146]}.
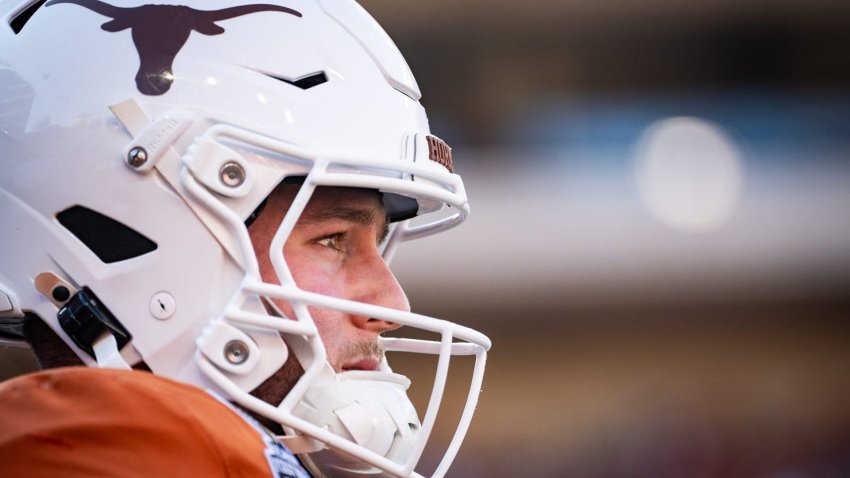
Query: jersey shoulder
{"type": "Point", "coordinates": [79, 421]}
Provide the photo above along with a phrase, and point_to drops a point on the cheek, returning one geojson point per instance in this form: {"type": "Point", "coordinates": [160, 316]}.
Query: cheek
{"type": "Point", "coordinates": [314, 278]}
{"type": "Point", "coordinates": [329, 323]}
{"type": "Point", "coordinates": [311, 276]}
{"type": "Point", "coordinates": [315, 271]}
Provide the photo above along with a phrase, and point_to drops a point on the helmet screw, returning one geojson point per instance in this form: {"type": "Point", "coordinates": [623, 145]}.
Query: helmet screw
{"type": "Point", "coordinates": [137, 157]}
{"type": "Point", "coordinates": [236, 352]}
{"type": "Point", "coordinates": [232, 174]}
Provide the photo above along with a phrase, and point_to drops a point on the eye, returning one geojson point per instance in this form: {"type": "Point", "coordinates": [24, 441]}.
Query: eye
{"type": "Point", "coordinates": [333, 241]}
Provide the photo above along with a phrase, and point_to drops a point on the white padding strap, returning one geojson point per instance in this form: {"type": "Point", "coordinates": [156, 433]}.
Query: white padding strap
{"type": "Point", "coordinates": [131, 116]}
{"type": "Point", "coordinates": [106, 353]}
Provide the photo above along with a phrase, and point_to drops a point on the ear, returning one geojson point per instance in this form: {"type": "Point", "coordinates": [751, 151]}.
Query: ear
{"type": "Point", "coordinates": [115, 26]}
{"type": "Point", "coordinates": [209, 29]}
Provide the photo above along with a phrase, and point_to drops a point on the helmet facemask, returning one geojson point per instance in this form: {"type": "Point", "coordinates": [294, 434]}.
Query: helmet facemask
{"type": "Point", "coordinates": [363, 416]}
{"type": "Point", "coordinates": [200, 157]}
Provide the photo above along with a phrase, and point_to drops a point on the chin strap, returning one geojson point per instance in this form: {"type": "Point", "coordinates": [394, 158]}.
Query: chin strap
{"type": "Point", "coordinates": [86, 321]}
{"type": "Point", "coordinates": [107, 354]}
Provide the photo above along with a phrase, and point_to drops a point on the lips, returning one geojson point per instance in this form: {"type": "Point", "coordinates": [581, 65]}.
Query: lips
{"type": "Point", "coordinates": [369, 364]}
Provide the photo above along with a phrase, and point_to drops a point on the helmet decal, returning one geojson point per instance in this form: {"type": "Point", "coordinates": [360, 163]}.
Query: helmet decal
{"type": "Point", "coordinates": [155, 265]}
{"type": "Point", "coordinates": [440, 152]}
{"type": "Point", "coordinates": [160, 31]}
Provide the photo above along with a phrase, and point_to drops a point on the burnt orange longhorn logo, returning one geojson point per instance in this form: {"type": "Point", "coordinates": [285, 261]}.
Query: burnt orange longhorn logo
{"type": "Point", "coordinates": [160, 31]}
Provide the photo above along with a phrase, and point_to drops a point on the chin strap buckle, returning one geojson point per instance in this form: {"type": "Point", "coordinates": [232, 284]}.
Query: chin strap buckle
{"type": "Point", "coordinates": [94, 329]}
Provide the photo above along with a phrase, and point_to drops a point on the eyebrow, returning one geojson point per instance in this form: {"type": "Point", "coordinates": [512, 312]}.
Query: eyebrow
{"type": "Point", "coordinates": [363, 217]}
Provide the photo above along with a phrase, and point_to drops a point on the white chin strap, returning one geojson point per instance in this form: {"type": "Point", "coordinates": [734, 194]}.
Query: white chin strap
{"type": "Point", "coordinates": [107, 354]}
{"type": "Point", "coordinates": [369, 408]}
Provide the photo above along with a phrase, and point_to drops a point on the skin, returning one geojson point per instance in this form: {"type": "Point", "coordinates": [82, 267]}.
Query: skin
{"type": "Point", "coordinates": [333, 250]}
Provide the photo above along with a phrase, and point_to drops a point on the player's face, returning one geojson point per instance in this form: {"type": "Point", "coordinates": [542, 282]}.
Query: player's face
{"type": "Point", "coordinates": [334, 250]}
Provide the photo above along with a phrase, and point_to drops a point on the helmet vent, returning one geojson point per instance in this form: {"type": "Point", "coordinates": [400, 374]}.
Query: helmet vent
{"type": "Point", "coordinates": [23, 16]}
{"type": "Point", "coordinates": [107, 238]}
{"type": "Point", "coordinates": [306, 82]}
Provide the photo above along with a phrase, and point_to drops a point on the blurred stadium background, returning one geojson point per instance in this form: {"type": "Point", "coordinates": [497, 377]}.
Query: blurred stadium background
{"type": "Point", "coordinates": [660, 238]}
{"type": "Point", "coordinates": [659, 243]}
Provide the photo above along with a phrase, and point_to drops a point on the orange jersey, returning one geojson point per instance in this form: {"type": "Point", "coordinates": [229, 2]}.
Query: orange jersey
{"type": "Point", "coordinates": [86, 422]}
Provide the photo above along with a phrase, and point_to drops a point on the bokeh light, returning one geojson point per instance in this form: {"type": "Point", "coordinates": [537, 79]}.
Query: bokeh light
{"type": "Point", "coordinates": [689, 173]}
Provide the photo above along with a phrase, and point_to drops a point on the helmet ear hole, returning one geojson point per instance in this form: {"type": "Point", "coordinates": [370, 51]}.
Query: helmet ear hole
{"type": "Point", "coordinates": [139, 183]}
{"type": "Point", "coordinates": [110, 240]}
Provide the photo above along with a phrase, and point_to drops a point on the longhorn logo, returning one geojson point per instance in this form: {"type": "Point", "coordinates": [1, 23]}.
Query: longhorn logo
{"type": "Point", "coordinates": [160, 31]}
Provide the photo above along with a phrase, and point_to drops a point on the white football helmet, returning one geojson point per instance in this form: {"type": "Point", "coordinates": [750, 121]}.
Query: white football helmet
{"type": "Point", "coordinates": [135, 141]}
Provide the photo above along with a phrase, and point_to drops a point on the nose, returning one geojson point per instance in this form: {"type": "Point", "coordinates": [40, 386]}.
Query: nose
{"type": "Point", "coordinates": [378, 286]}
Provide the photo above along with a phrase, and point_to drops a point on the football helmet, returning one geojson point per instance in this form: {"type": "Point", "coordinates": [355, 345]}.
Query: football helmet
{"type": "Point", "coordinates": [136, 140]}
